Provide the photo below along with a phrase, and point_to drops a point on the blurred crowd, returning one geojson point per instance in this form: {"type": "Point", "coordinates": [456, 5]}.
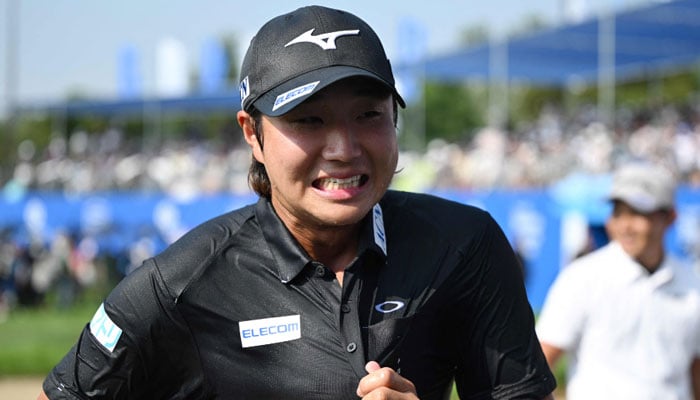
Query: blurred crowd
{"type": "Point", "coordinates": [34, 272]}
{"type": "Point", "coordinates": [538, 155]}
{"type": "Point", "coordinates": [552, 148]}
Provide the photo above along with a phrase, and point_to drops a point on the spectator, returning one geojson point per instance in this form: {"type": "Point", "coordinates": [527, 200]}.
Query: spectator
{"type": "Point", "coordinates": [628, 314]}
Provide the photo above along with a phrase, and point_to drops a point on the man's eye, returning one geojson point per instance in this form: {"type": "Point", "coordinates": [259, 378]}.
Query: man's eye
{"type": "Point", "coordinates": [371, 114]}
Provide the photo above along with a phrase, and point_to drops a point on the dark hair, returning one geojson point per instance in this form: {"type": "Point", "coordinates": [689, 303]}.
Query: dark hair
{"type": "Point", "coordinates": [257, 175]}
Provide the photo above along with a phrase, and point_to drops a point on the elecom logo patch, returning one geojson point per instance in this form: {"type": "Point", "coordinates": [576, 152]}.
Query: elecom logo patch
{"type": "Point", "coordinates": [259, 332]}
{"type": "Point", "coordinates": [289, 96]}
{"type": "Point", "coordinates": [326, 41]}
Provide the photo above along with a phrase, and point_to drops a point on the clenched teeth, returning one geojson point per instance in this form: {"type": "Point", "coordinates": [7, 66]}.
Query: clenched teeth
{"type": "Point", "coordinates": [339, 184]}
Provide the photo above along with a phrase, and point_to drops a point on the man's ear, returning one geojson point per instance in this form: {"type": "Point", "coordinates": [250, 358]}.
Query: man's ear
{"type": "Point", "coordinates": [672, 215]}
{"type": "Point", "coordinates": [247, 123]}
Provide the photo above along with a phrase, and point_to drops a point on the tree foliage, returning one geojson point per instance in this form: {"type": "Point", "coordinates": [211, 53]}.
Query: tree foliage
{"type": "Point", "coordinates": [453, 111]}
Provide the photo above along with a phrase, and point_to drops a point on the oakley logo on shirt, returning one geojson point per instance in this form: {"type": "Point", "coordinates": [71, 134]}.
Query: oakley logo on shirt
{"type": "Point", "coordinates": [389, 306]}
{"type": "Point", "coordinates": [259, 332]}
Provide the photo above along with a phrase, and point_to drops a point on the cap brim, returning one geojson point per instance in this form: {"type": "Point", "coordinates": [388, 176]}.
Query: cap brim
{"type": "Point", "coordinates": [290, 94]}
{"type": "Point", "coordinates": [640, 202]}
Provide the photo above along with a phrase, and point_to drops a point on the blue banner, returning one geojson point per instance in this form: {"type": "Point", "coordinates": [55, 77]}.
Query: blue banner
{"type": "Point", "coordinates": [536, 222]}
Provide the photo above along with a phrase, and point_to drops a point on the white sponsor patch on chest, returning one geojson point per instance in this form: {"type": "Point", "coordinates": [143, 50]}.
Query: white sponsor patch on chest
{"type": "Point", "coordinates": [259, 332]}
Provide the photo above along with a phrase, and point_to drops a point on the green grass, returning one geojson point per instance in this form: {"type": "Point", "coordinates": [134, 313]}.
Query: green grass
{"type": "Point", "coordinates": [34, 340]}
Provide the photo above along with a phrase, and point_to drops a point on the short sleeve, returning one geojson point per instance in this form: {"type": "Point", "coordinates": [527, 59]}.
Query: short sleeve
{"type": "Point", "coordinates": [105, 360]}
{"type": "Point", "coordinates": [127, 351]}
{"type": "Point", "coordinates": [504, 359]}
{"type": "Point", "coordinates": [562, 317]}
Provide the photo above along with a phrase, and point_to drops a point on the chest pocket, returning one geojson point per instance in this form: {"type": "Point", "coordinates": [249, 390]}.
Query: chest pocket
{"type": "Point", "coordinates": [384, 340]}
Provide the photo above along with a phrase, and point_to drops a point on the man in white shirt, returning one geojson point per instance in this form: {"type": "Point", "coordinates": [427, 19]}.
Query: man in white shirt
{"type": "Point", "coordinates": [627, 314]}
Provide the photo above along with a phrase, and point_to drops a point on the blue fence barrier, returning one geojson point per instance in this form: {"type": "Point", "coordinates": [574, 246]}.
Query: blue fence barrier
{"type": "Point", "coordinates": [545, 228]}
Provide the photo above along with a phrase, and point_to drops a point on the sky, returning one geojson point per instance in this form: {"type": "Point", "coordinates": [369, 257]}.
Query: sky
{"type": "Point", "coordinates": [64, 47]}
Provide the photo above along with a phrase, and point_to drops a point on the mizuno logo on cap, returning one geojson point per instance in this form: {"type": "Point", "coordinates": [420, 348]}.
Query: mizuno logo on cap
{"type": "Point", "coordinates": [326, 41]}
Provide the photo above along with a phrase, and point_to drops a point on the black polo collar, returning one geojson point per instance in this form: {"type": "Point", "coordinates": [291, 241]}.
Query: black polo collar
{"type": "Point", "coordinates": [288, 254]}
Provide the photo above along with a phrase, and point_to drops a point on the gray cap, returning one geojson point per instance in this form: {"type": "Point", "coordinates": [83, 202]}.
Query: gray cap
{"type": "Point", "coordinates": [644, 187]}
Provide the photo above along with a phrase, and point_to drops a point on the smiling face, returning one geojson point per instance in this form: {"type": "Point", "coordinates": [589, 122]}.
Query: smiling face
{"type": "Point", "coordinates": [641, 235]}
{"type": "Point", "coordinates": [331, 158]}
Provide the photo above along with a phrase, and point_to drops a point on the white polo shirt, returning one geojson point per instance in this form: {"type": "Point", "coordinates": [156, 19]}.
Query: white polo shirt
{"type": "Point", "coordinates": [629, 334]}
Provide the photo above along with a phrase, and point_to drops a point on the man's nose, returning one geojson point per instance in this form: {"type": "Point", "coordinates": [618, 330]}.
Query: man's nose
{"type": "Point", "coordinates": [341, 144]}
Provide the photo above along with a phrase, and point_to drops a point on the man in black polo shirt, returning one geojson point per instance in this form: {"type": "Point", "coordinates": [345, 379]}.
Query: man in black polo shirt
{"type": "Point", "coordinates": [330, 287]}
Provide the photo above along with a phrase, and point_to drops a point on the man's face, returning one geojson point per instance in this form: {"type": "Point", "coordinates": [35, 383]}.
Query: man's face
{"type": "Point", "coordinates": [640, 235]}
{"type": "Point", "coordinates": [331, 158]}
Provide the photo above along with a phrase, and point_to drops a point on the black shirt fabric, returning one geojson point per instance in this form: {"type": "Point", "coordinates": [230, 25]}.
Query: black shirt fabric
{"type": "Point", "coordinates": [444, 303]}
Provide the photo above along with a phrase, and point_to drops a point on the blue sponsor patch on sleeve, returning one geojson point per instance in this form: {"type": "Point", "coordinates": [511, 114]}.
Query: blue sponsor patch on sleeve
{"type": "Point", "coordinates": [104, 329]}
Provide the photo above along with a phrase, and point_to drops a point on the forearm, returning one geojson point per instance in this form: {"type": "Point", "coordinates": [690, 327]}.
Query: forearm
{"type": "Point", "coordinates": [552, 354]}
{"type": "Point", "coordinates": [695, 377]}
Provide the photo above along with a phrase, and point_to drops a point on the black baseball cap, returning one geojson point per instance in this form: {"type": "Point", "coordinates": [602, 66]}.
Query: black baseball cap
{"type": "Point", "coordinates": [297, 54]}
